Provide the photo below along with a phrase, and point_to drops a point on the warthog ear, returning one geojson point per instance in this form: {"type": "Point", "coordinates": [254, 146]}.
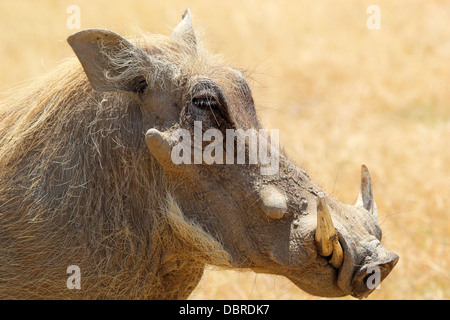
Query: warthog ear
{"type": "Point", "coordinates": [185, 31]}
{"type": "Point", "coordinates": [365, 197]}
{"type": "Point", "coordinates": [110, 61]}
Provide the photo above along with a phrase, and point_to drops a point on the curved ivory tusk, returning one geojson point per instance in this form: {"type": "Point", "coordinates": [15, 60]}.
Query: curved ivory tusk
{"type": "Point", "coordinates": [326, 238]}
{"type": "Point", "coordinates": [325, 232]}
{"type": "Point", "coordinates": [338, 254]}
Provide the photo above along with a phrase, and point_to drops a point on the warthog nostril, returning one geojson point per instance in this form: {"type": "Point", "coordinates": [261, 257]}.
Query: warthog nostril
{"type": "Point", "coordinates": [369, 277]}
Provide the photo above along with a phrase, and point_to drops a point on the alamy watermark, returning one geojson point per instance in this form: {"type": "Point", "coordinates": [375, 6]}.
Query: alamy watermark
{"type": "Point", "coordinates": [260, 151]}
{"type": "Point", "coordinates": [374, 279]}
{"type": "Point", "coordinates": [74, 280]}
{"type": "Point", "coordinates": [74, 20]}
{"type": "Point", "coordinates": [374, 20]}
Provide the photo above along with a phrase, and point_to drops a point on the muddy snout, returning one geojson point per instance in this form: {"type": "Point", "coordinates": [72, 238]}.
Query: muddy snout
{"type": "Point", "coordinates": [369, 276]}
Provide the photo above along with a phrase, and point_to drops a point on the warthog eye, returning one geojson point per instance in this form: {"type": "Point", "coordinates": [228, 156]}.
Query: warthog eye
{"type": "Point", "coordinates": [205, 102]}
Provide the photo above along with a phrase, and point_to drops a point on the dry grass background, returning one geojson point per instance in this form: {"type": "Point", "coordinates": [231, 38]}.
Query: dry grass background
{"type": "Point", "coordinates": [340, 94]}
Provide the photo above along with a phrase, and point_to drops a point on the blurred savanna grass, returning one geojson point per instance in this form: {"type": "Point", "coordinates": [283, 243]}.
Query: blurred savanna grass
{"type": "Point", "coordinates": [340, 94]}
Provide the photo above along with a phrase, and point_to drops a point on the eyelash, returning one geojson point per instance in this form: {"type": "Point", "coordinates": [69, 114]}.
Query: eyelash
{"type": "Point", "coordinates": [205, 102]}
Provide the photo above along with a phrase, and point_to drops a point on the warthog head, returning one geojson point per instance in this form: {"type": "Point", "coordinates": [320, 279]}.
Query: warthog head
{"type": "Point", "coordinates": [277, 222]}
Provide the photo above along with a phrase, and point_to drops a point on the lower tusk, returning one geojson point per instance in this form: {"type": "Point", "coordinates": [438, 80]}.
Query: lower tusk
{"type": "Point", "coordinates": [338, 254]}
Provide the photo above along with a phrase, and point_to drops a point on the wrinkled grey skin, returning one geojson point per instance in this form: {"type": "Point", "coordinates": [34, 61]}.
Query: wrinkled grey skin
{"type": "Point", "coordinates": [225, 199]}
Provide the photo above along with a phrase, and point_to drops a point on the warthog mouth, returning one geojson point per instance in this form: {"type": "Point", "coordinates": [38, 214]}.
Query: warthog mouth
{"type": "Point", "coordinates": [357, 280]}
{"type": "Point", "coordinates": [359, 266]}
{"type": "Point", "coordinates": [361, 279]}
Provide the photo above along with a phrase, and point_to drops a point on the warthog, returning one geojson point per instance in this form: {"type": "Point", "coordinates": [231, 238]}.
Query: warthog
{"type": "Point", "coordinates": [87, 179]}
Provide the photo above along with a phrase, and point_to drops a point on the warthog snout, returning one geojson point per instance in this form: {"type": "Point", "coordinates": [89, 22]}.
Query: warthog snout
{"type": "Point", "coordinates": [368, 277]}
{"type": "Point", "coordinates": [352, 249]}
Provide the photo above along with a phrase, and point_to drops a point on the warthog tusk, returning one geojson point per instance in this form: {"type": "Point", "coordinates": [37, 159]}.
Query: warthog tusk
{"type": "Point", "coordinates": [327, 241]}
{"type": "Point", "coordinates": [338, 254]}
